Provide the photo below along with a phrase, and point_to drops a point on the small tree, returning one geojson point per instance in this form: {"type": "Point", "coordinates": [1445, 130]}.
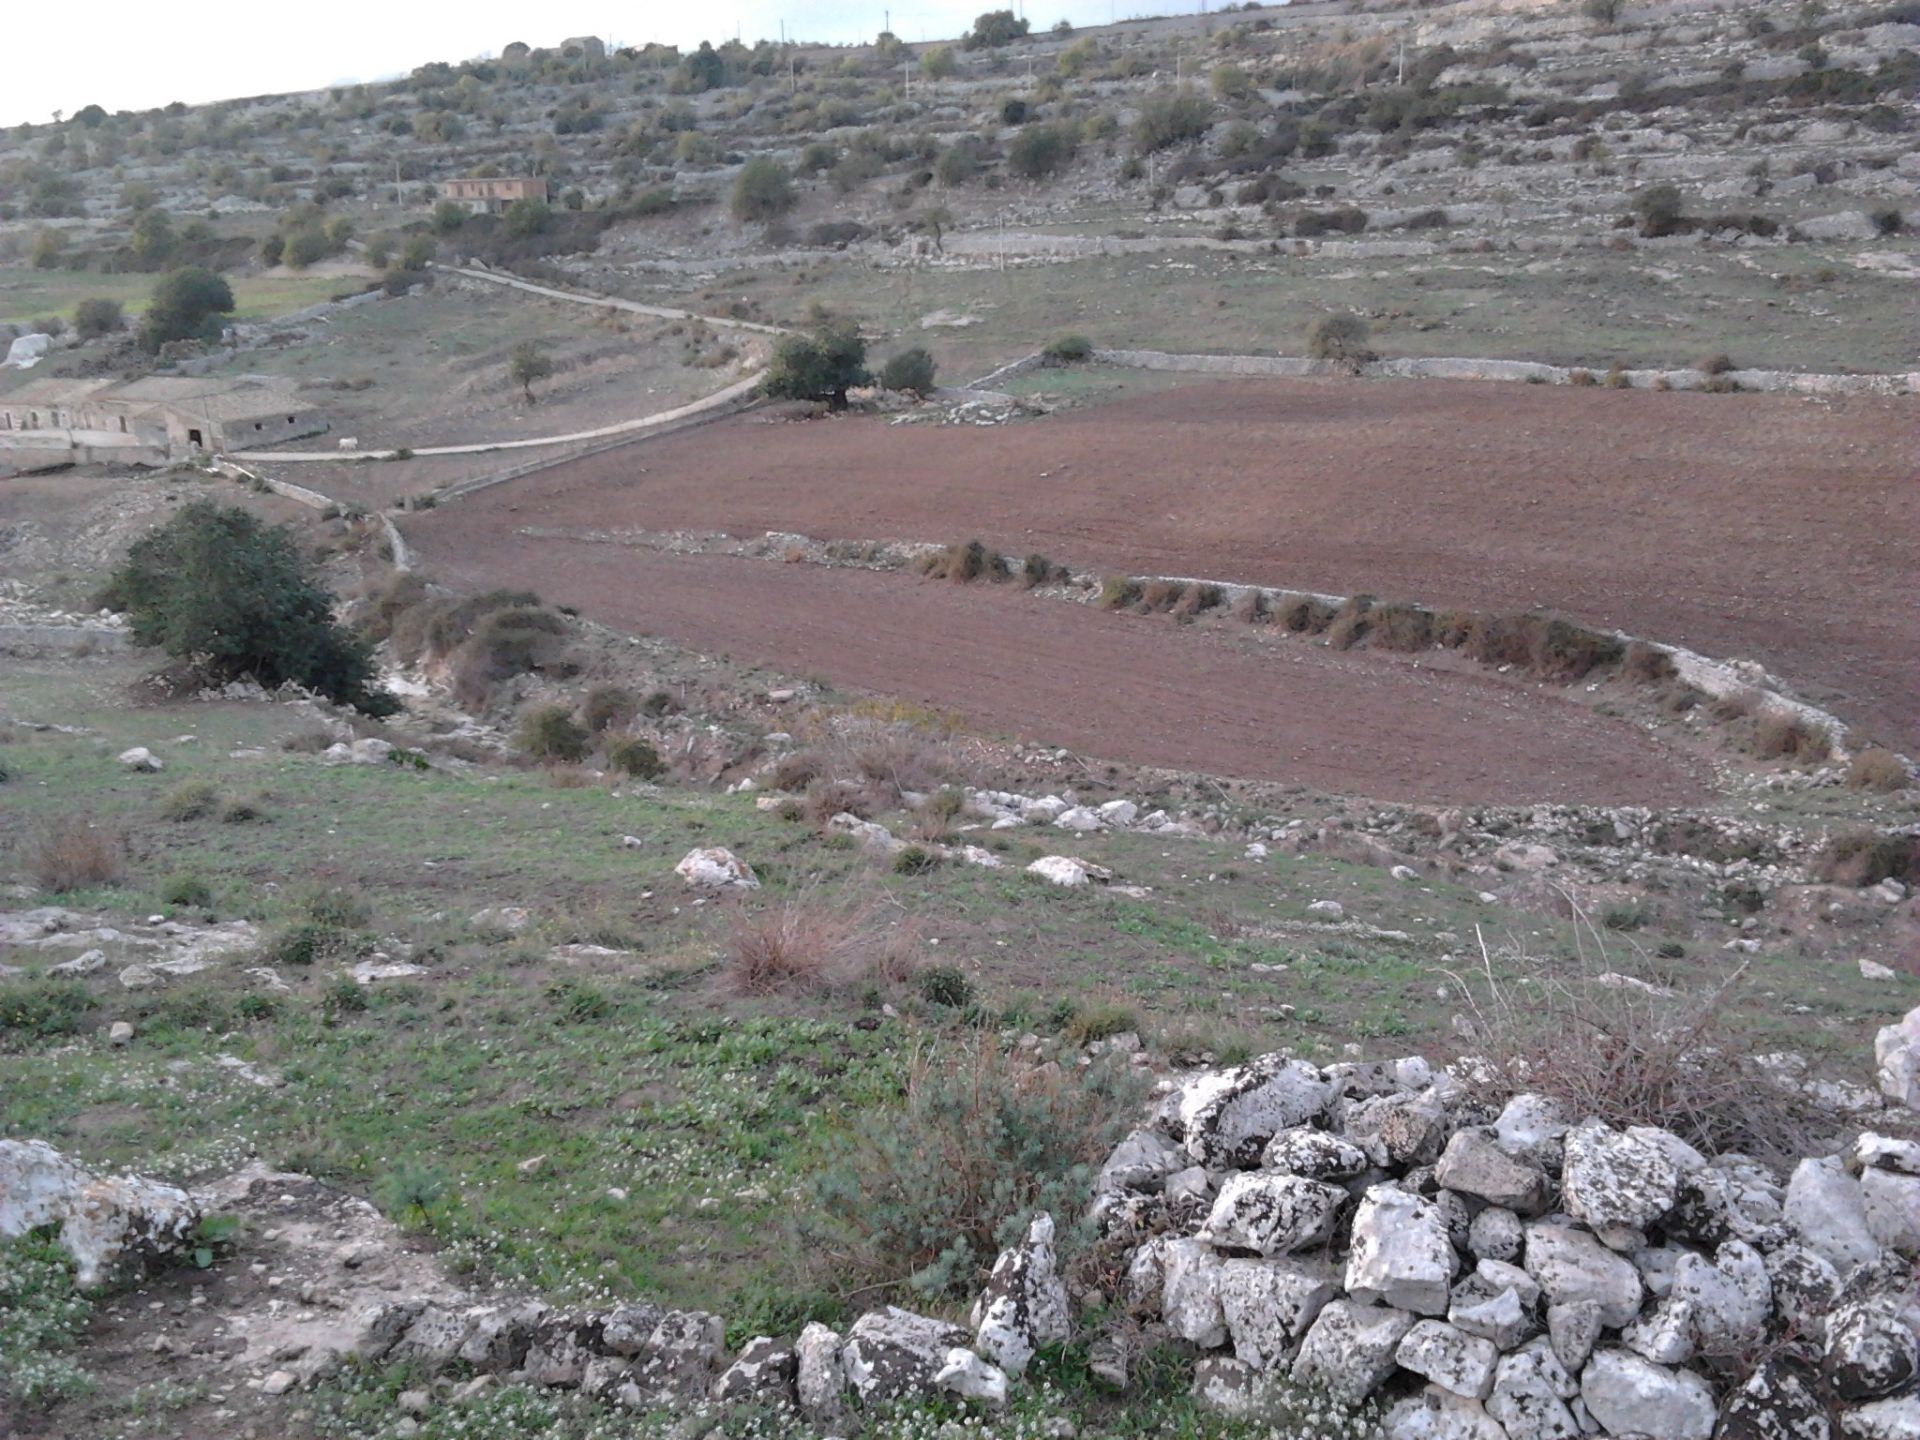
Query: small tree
{"type": "Point", "coordinates": [153, 240]}
{"type": "Point", "coordinates": [996, 28]}
{"type": "Point", "coordinates": [215, 587]}
{"type": "Point", "coordinates": [97, 316]}
{"type": "Point", "coordinates": [821, 366]}
{"type": "Point", "coordinates": [529, 364]}
{"type": "Point", "coordinates": [49, 249]}
{"type": "Point", "coordinates": [1171, 117]}
{"type": "Point", "coordinates": [417, 253]}
{"type": "Point", "coordinates": [306, 246]}
{"type": "Point", "coordinates": [939, 63]}
{"type": "Point", "coordinates": [1659, 208]}
{"type": "Point", "coordinates": [273, 249]}
{"type": "Point", "coordinates": [186, 305]}
{"type": "Point", "coordinates": [910, 371]}
{"type": "Point", "coordinates": [1039, 150]}
{"type": "Point", "coordinates": [764, 191]}
{"type": "Point", "coordinates": [379, 252]}
{"type": "Point", "coordinates": [1606, 12]}
{"type": "Point", "coordinates": [1340, 337]}
{"type": "Point", "coordinates": [448, 216]}
{"type": "Point", "coordinates": [527, 218]}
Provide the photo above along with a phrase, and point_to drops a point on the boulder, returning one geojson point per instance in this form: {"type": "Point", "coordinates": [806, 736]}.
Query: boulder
{"type": "Point", "coordinates": [1067, 871]}
{"type": "Point", "coordinates": [1272, 1214]}
{"type": "Point", "coordinates": [1190, 1293]}
{"type": "Point", "coordinates": [1079, 819]}
{"type": "Point", "coordinates": [1730, 1296]}
{"type": "Point", "coordinates": [1872, 1348]}
{"type": "Point", "coordinates": [1401, 1253]}
{"type": "Point", "coordinates": [1892, 1204]}
{"type": "Point", "coordinates": [1024, 1304]}
{"type": "Point", "coordinates": [1449, 1357]}
{"type": "Point", "coordinates": [1227, 1117]}
{"type": "Point", "coordinates": [1776, 1403]}
{"type": "Point", "coordinates": [1474, 1164]}
{"type": "Point", "coordinates": [1896, 1056]}
{"type": "Point", "coordinates": [1140, 1162]}
{"type": "Point", "coordinates": [1314, 1154]}
{"type": "Point", "coordinates": [965, 1374]}
{"type": "Point", "coordinates": [713, 867]}
{"type": "Point", "coordinates": [1349, 1349]}
{"type": "Point", "coordinates": [680, 1358]}
{"type": "Point", "coordinates": [820, 1379]}
{"type": "Point", "coordinates": [1492, 1311]}
{"type": "Point", "coordinates": [1530, 1393]}
{"type": "Point", "coordinates": [1268, 1305]}
{"type": "Point", "coordinates": [893, 1353]}
{"type": "Point", "coordinates": [1631, 1396]}
{"type": "Point", "coordinates": [1496, 1234]}
{"type": "Point", "coordinates": [140, 760]}
{"type": "Point", "coordinates": [1532, 1126]}
{"type": "Point", "coordinates": [1436, 1413]}
{"type": "Point", "coordinates": [1805, 1285]}
{"type": "Point", "coordinates": [1120, 813]}
{"type": "Point", "coordinates": [103, 1221]}
{"type": "Point", "coordinates": [1827, 1211]}
{"type": "Point", "coordinates": [1407, 1129]}
{"type": "Point", "coordinates": [1616, 1181]}
{"type": "Point", "coordinates": [1571, 1266]}
{"type": "Point", "coordinates": [1883, 1420]}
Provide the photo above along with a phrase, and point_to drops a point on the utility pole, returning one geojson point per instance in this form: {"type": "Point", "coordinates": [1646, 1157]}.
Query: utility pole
{"type": "Point", "coordinates": [906, 74]}
{"type": "Point", "coordinates": [1403, 61]}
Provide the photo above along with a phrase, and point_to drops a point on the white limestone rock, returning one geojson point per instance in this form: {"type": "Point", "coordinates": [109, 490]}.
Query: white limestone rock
{"type": "Point", "coordinates": [1449, 1357]}
{"type": "Point", "coordinates": [1572, 1266]}
{"type": "Point", "coordinates": [1401, 1253]}
{"type": "Point", "coordinates": [1228, 1116]}
{"type": "Point", "coordinates": [965, 1374]}
{"type": "Point", "coordinates": [1631, 1396]}
{"type": "Point", "coordinates": [103, 1220]}
{"type": "Point", "coordinates": [893, 1353]}
{"type": "Point", "coordinates": [1348, 1350]}
{"type": "Point", "coordinates": [1272, 1214]}
{"type": "Point", "coordinates": [1269, 1305]}
{"type": "Point", "coordinates": [1474, 1164]}
{"type": "Point", "coordinates": [713, 867]}
{"type": "Point", "coordinates": [1616, 1181]}
{"type": "Point", "coordinates": [1828, 1213]}
{"type": "Point", "coordinates": [1024, 1305]}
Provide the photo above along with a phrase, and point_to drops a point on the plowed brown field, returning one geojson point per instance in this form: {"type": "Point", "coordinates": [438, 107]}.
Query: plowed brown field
{"type": "Point", "coordinates": [1779, 528]}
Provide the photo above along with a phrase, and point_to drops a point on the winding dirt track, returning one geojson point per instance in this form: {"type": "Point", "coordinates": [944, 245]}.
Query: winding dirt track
{"type": "Point", "coordinates": [1775, 527]}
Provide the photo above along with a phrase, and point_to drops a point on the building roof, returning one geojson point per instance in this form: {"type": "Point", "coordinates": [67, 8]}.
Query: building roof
{"type": "Point", "coordinates": [54, 391]}
{"type": "Point", "coordinates": [200, 396]}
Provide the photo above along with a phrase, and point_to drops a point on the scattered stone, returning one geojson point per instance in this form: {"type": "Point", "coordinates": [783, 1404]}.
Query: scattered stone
{"type": "Point", "coordinates": [1402, 1252]}
{"type": "Point", "coordinates": [1066, 870]}
{"type": "Point", "coordinates": [1024, 1305]}
{"type": "Point", "coordinates": [1631, 1396]}
{"type": "Point", "coordinates": [714, 867]}
{"type": "Point", "coordinates": [140, 760]}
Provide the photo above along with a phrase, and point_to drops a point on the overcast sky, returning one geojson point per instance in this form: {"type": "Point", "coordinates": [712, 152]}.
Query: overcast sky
{"type": "Point", "coordinates": [150, 54]}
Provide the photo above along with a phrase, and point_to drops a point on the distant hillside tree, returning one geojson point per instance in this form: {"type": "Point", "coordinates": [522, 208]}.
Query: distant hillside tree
{"type": "Point", "coordinates": [186, 305]}
{"type": "Point", "coordinates": [97, 316]}
{"type": "Point", "coordinates": [764, 191]}
{"type": "Point", "coordinates": [911, 371]}
{"type": "Point", "coordinates": [996, 28]}
{"type": "Point", "coordinates": [1039, 150]}
{"type": "Point", "coordinates": [821, 366]}
{"type": "Point", "coordinates": [1171, 117]}
{"type": "Point", "coordinates": [529, 364]}
{"type": "Point", "coordinates": [217, 588]}
{"type": "Point", "coordinates": [526, 218]}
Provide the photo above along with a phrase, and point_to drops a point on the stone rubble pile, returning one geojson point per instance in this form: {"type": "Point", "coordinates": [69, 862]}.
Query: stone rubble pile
{"type": "Point", "coordinates": [1373, 1232]}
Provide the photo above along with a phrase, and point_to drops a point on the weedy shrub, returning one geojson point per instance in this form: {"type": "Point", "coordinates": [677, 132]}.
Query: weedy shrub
{"type": "Point", "coordinates": [1157, 596]}
{"type": "Point", "coordinates": [1646, 664]}
{"type": "Point", "coordinates": [1788, 737]}
{"type": "Point", "coordinates": [1119, 591]}
{"type": "Point", "coordinates": [243, 809]}
{"type": "Point", "coordinates": [329, 905]}
{"type": "Point", "coordinates": [1099, 1022]}
{"type": "Point", "coordinates": [1877, 769]}
{"type": "Point", "coordinates": [1546, 645]}
{"type": "Point", "coordinates": [1673, 1059]}
{"type": "Point", "coordinates": [42, 1316]}
{"type": "Point", "coordinates": [1716, 364]}
{"type": "Point", "coordinates": [1866, 857]}
{"type": "Point", "coordinates": [609, 707]}
{"type": "Point", "coordinates": [308, 943]}
{"type": "Point", "coordinates": [1198, 598]}
{"type": "Point", "coordinates": [413, 1192]}
{"type": "Point", "coordinates": [915, 860]}
{"type": "Point", "coordinates": [1342, 338]}
{"type": "Point", "coordinates": [42, 1008]}
{"type": "Point", "coordinates": [1067, 350]}
{"type": "Point", "coordinates": [828, 797]}
{"type": "Point", "coordinates": [1400, 627]}
{"type": "Point", "coordinates": [1038, 570]}
{"type": "Point", "coordinates": [983, 1142]}
{"type": "Point", "coordinates": [808, 944]}
{"type": "Point", "coordinates": [186, 891]}
{"type": "Point", "coordinates": [517, 640]}
{"type": "Point", "coordinates": [579, 1002]}
{"type": "Point", "coordinates": [73, 853]}
{"type": "Point", "coordinates": [190, 800]}
{"type": "Point", "coordinates": [1581, 378]}
{"type": "Point", "coordinates": [1351, 623]}
{"type": "Point", "coordinates": [965, 563]}
{"type": "Point", "coordinates": [1303, 615]}
{"type": "Point", "coordinates": [636, 756]}
{"type": "Point", "coordinates": [1250, 608]}
{"type": "Point", "coordinates": [947, 986]}
{"type": "Point", "coordinates": [1617, 378]}
{"type": "Point", "coordinates": [548, 732]}
{"type": "Point", "coordinates": [797, 770]}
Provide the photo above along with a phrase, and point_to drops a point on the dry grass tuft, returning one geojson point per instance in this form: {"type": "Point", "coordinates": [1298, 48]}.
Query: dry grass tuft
{"type": "Point", "coordinates": [1866, 857]}
{"type": "Point", "coordinates": [1646, 664]}
{"type": "Point", "coordinates": [1401, 627]}
{"type": "Point", "coordinates": [1877, 769]}
{"type": "Point", "coordinates": [1788, 737]}
{"type": "Point", "coordinates": [75, 854]}
{"type": "Point", "coordinates": [1251, 607]}
{"type": "Point", "coordinates": [806, 945]}
{"type": "Point", "coordinates": [1634, 1053]}
{"type": "Point", "coordinates": [964, 563]}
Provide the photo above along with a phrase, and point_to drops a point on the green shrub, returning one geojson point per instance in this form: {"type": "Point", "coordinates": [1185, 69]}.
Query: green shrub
{"type": "Point", "coordinates": [1118, 591]}
{"type": "Point", "coordinates": [636, 756]}
{"type": "Point", "coordinates": [240, 809]}
{"type": "Point", "coordinates": [915, 860]}
{"type": "Point", "coordinates": [983, 1142]}
{"type": "Point", "coordinates": [186, 891]}
{"type": "Point", "coordinates": [763, 190]}
{"type": "Point", "coordinates": [190, 800]}
{"type": "Point", "coordinates": [1866, 857]}
{"type": "Point", "coordinates": [1341, 337]}
{"type": "Point", "coordinates": [239, 600]}
{"type": "Point", "coordinates": [1170, 118]}
{"type": "Point", "coordinates": [97, 316]}
{"type": "Point", "coordinates": [945, 985]}
{"type": "Point", "coordinates": [964, 563]}
{"type": "Point", "coordinates": [1067, 350]}
{"type": "Point", "coordinates": [1877, 769]}
{"type": "Point", "coordinates": [608, 706]}
{"type": "Point", "coordinates": [308, 943]}
{"type": "Point", "coordinates": [42, 1008]}
{"type": "Point", "coordinates": [186, 305]}
{"type": "Point", "coordinates": [548, 732]}
{"type": "Point", "coordinates": [342, 996]}
{"type": "Point", "coordinates": [330, 905]}
{"type": "Point", "coordinates": [910, 371]}
{"type": "Point", "coordinates": [1041, 150]}
{"type": "Point", "coordinates": [1037, 569]}
{"type": "Point", "coordinates": [821, 366]}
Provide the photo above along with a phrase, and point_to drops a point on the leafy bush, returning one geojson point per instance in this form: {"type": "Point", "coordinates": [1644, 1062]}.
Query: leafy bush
{"type": "Point", "coordinates": [548, 732]}
{"type": "Point", "coordinates": [1340, 337]}
{"type": "Point", "coordinates": [97, 316]}
{"type": "Point", "coordinates": [910, 371]}
{"type": "Point", "coordinates": [1877, 769]}
{"type": "Point", "coordinates": [1040, 150]}
{"type": "Point", "coordinates": [1788, 737]}
{"type": "Point", "coordinates": [72, 853]}
{"type": "Point", "coordinates": [820, 366]}
{"type": "Point", "coordinates": [186, 890]}
{"type": "Point", "coordinates": [965, 563]}
{"type": "Point", "coordinates": [43, 1008]}
{"type": "Point", "coordinates": [915, 860]}
{"type": "Point", "coordinates": [42, 1316]}
{"type": "Point", "coordinates": [608, 706]}
{"type": "Point", "coordinates": [763, 190]}
{"type": "Point", "coordinates": [528, 365]}
{"type": "Point", "coordinates": [215, 587]}
{"type": "Point", "coordinates": [1171, 117]}
{"type": "Point", "coordinates": [190, 800]}
{"type": "Point", "coordinates": [946, 985]}
{"type": "Point", "coordinates": [1067, 350]}
{"type": "Point", "coordinates": [307, 942]}
{"type": "Point", "coordinates": [636, 756]}
{"type": "Point", "coordinates": [982, 1143]}
{"type": "Point", "coordinates": [1661, 210]}
{"type": "Point", "coordinates": [994, 29]}
{"type": "Point", "coordinates": [186, 305]}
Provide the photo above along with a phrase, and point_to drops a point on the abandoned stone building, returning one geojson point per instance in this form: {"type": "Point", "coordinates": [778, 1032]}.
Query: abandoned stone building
{"type": "Point", "coordinates": [150, 420]}
{"type": "Point", "coordinates": [491, 196]}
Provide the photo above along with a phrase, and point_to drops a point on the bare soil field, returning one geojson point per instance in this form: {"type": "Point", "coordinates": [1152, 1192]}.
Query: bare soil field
{"type": "Point", "coordinates": [1215, 700]}
{"type": "Point", "coordinates": [1771, 527]}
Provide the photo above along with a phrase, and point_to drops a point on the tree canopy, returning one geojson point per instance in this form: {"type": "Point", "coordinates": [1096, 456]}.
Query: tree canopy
{"type": "Point", "coordinates": [186, 305]}
{"type": "Point", "coordinates": [217, 588]}
{"type": "Point", "coordinates": [820, 366]}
